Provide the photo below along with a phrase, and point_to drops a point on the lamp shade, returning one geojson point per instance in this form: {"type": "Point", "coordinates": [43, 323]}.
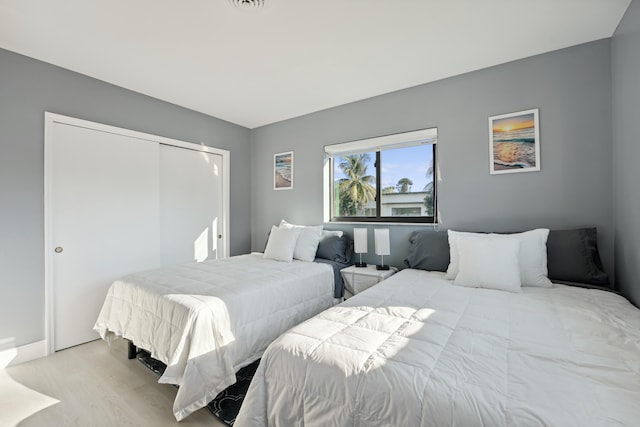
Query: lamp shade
{"type": "Point", "coordinates": [381, 236]}
{"type": "Point", "coordinates": [360, 240]}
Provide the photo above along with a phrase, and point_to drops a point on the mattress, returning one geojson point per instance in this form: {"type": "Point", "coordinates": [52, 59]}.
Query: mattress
{"type": "Point", "coordinates": [207, 320]}
{"type": "Point", "coordinates": [416, 350]}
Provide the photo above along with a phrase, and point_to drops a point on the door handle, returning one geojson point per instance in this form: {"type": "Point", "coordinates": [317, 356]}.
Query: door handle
{"type": "Point", "coordinates": [58, 249]}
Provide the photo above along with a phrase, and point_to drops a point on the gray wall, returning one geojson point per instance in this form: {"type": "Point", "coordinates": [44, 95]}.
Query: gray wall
{"type": "Point", "coordinates": [626, 151]}
{"type": "Point", "coordinates": [28, 88]}
{"type": "Point", "coordinates": [572, 89]}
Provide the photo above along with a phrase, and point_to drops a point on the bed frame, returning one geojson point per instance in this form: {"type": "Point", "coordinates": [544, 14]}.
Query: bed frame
{"type": "Point", "coordinates": [132, 350]}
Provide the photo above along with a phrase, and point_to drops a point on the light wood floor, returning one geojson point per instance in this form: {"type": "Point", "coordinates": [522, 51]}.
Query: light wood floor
{"type": "Point", "coordinates": [89, 385]}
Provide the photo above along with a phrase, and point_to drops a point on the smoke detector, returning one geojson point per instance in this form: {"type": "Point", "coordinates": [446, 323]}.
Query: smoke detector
{"type": "Point", "coordinates": [248, 4]}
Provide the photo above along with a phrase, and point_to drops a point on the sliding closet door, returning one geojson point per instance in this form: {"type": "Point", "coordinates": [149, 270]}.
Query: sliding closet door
{"type": "Point", "coordinates": [104, 198]}
{"type": "Point", "coordinates": [190, 205]}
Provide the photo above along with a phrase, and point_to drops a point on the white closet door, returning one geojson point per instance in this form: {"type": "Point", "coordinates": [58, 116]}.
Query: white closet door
{"type": "Point", "coordinates": [190, 205]}
{"type": "Point", "coordinates": [105, 221]}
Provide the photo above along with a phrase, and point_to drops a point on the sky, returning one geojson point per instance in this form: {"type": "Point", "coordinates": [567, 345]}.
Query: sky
{"type": "Point", "coordinates": [524, 121]}
{"type": "Point", "coordinates": [411, 162]}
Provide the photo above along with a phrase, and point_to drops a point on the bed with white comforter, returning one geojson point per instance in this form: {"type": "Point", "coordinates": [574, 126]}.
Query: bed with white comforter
{"type": "Point", "coordinates": [417, 350]}
{"type": "Point", "coordinates": [207, 320]}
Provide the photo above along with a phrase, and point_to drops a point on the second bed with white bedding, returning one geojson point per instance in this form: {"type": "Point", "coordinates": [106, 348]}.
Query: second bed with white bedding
{"type": "Point", "coordinates": [207, 320]}
{"type": "Point", "coordinates": [416, 350]}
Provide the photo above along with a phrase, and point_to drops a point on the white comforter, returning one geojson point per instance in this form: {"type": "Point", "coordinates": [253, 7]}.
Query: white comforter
{"type": "Point", "coordinates": [417, 350]}
{"type": "Point", "coordinates": [207, 320]}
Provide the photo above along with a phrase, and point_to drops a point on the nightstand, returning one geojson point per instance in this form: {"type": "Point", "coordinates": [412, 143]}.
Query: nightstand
{"type": "Point", "coordinates": [357, 279]}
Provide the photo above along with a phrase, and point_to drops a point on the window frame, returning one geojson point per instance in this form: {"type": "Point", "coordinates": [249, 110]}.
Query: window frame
{"type": "Point", "coordinates": [433, 219]}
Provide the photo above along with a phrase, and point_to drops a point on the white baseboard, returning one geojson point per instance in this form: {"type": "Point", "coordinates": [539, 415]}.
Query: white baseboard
{"type": "Point", "coordinates": [10, 355]}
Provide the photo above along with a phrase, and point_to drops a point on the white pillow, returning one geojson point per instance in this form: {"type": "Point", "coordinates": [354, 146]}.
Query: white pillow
{"type": "Point", "coordinates": [454, 258]}
{"type": "Point", "coordinates": [532, 258]}
{"type": "Point", "coordinates": [281, 243]}
{"type": "Point", "coordinates": [489, 261]}
{"type": "Point", "coordinates": [308, 240]}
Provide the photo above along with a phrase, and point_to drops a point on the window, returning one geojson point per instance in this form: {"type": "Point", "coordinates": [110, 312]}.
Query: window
{"type": "Point", "coordinates": [385, 179]}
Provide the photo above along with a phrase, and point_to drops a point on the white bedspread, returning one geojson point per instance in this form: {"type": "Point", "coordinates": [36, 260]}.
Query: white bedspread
{"type": "Point", "coordinates": [206, 320]}
{"type": "Point", "coordinates": [417, 350]}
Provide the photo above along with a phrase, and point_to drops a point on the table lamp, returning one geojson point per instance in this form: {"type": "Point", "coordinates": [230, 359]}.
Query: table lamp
{"type": "Point", "coordinates": [381, 236]}
{"type": "Point", "coordinates": [360, 244]}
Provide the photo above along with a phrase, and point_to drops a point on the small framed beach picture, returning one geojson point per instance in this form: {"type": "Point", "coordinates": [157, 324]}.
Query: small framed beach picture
{"type": "Point", "coordinates": [514, 142]}
{"type": "Point", "coordinates": [283, 171]}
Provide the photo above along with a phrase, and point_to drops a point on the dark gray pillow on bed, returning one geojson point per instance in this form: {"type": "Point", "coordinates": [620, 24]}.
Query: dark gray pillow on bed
{"type": "Point", "coordinates": [335, 248]}
{"type": "Point", "coordinates": [572, 256]}
{"type": "Point", "coordinates": [428, 250]}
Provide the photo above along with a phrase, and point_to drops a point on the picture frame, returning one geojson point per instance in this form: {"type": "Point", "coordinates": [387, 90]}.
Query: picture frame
{"type": "Point", "coordinates": [283, 171]}
{"type": "Point", "coordinates": [514, 142]}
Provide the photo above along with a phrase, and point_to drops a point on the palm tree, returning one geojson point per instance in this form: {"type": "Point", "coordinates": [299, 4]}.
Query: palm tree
{"type": "Point", "coordinates": [356, 190]}
{"type": "Point", "coordinates": [404, 185]}
{"type": "Point", "coordinates": [429, 175]}
{"type": "Point", "coordinates": [429, 198]}
{"type": "Point", "coordinates": [388, 190]}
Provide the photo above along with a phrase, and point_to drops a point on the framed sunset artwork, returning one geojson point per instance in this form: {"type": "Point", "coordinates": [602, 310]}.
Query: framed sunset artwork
{"type": "Point", "coordinates": [514, 142]}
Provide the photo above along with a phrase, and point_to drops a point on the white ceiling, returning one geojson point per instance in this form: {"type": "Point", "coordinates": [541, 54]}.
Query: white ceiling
{"type": "Point", "coordinates": [292, 57]}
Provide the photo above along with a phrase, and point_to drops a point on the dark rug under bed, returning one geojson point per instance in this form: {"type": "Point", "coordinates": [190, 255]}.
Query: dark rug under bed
{"type": "Point", "coordinates": [226, 405]}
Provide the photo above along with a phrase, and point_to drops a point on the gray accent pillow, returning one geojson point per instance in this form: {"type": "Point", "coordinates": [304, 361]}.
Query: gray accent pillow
{"type": "Point", "coordinates": [335, 248]}
{"type": "Point", "coordinates": [572, 256]}
{"type": "Point", "coordinates": [428, 250]}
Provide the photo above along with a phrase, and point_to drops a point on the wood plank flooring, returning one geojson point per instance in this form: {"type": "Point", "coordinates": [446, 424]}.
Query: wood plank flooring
{"type": "Point", "coordinates": [89, 385]}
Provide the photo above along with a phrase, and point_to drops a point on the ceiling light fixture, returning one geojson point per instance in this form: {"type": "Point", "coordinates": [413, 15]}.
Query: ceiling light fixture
{"type": "Point", "coordinates": [248, 4]}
